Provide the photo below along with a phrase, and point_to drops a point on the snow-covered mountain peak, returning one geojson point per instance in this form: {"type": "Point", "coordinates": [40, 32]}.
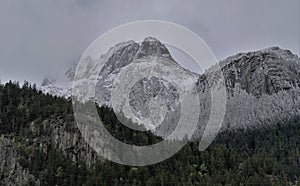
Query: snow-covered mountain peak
{"type": "Point", "coordinates": [153, 47]}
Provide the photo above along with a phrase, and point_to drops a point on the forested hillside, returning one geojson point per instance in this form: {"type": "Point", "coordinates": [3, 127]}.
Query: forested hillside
{"type": "Point", "coordinates": [40, 145]}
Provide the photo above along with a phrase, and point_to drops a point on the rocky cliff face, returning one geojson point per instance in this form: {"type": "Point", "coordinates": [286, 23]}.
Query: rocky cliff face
{"type": "Point", "coordinates": [10, 168]}
{"type": "Point", "coordinates": [263, 72]}
{"type": "Point", "coordinates": [44, 136]}
{"type": "Point", "coordinates": [262, 89]}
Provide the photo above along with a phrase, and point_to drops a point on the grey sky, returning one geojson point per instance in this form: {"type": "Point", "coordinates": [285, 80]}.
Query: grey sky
{"type": "Point", "coordinates": [39, 37]}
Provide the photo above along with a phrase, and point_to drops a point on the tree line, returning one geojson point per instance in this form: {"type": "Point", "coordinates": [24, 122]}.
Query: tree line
{"type": "Point", "coordinates": [240, 157]}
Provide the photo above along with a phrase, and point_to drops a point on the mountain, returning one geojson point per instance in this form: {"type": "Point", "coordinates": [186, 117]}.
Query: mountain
{"type": "Point", "coordinates": [118, 58]}
{"type": "Point", "coordinates": [262, 86]}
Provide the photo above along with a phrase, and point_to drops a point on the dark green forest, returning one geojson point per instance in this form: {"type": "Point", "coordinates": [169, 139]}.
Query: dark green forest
{"type": "Point", "coordinates": [269, 156]}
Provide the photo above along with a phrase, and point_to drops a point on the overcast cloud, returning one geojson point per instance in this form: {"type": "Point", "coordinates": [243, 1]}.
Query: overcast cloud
{"type": "Point", "coordinates": [38, 38]}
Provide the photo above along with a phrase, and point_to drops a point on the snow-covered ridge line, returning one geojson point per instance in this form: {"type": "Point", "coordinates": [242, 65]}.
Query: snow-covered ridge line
{"type": "Point", "coordinates": [263, 86]}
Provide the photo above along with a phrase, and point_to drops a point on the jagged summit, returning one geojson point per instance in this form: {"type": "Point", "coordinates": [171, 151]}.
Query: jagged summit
{"type": "Point", "coordinates": [151, 39]}
{"type": "Point", "coordinates": [153, 47]}
{"type": "Point", "coordinates": [125, 52]}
